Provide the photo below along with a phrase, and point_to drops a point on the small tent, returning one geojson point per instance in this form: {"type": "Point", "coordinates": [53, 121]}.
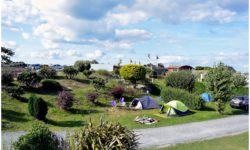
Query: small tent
{"type": "Point", "coordinates": [175, 108]}
{"type": "Point", "coordinates": [145, 102]}
{"type": "Point", "coordinates": [206, 97]}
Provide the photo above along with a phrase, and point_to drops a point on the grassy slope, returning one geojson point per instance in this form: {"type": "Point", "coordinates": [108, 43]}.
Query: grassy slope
{"type": "Point", "coordinates": [236, 142]}
{"type": "Point", "coordinates": [15, 114]}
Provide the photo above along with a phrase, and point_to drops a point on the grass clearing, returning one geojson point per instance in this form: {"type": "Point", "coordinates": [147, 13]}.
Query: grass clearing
{"type": "Point", "coordinates": [15, 114]}
{"type": "Point", "coordinates": [235, 142]}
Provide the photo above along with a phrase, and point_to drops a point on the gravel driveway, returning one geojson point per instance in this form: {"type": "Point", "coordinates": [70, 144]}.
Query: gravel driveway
{"type": "Point", "coordinates": [164, 136]}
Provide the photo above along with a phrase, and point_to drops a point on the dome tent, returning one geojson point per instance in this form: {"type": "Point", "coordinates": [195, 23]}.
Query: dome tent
{"type": "Point", "coordinates": [175, 108]}
{"type": "Point", "coordinates": [206, 97]}
{"type": "Point", "coordinates": [145, 102]}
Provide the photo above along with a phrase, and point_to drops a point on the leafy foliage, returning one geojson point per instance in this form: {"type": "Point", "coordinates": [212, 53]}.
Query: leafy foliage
{"type": "Point", "coordinates": [70, 72]}
{"type": "Point", "coordinates": [92, 96]}
{"type": "Point", "coordinates": [82, 65]}
{"type": "Point", "coordinates": [192, 101]}
{"type": "Point", "coordinates": [65, 100]}
{"type": "Point", "coordinates": [49, 84]}
{"type": "Point", "coordinates": [6, 53]}
{"type": "Point", "coordinates": [105, 136]}
{"type": "Point", "coordinates": [87, 73]}
{"type": "Point", "coordinates": [7, 78]}
{"type": "Point", "coordinates": [202, 68]}
{"type": "Point", "coordinates": [181, 79]}
{"type": "Point", "coordinates": [239, 80]}
{"type": "Point", "coordinates": [29, 79]}
{"type": "Point", "coordinates": [98, 83]}
{"type": "Point", "coordinates": [133, 73]}
{"type": "Point", "coordinates": [37, 107]}
{"type": "Point", "coordinates": [219, 82]}
{"type": "Point", "coordinates": [117, 92]}
{"type": "Point", "coordinates": [47, 72]}
{"type": "Point", "coordinates": [15, 91]}
{"type": "Point", "coordinates": [199, 88]}
{"type": "Point", "coordinates": [39, 138]}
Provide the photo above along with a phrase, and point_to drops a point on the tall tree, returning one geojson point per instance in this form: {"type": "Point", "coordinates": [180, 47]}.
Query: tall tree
{"type": "Point", "coordinates": [6, 53]}
{"type": "Point", "coordinates": [219, 82]}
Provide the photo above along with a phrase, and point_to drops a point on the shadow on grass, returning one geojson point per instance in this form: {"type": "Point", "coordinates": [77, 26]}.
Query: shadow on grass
{"type": "Point", "coordinates": [82, 81]}
{"type": "Point", "coordinates": [237, 112]}
{"type": "Point", "coordinates": [83, 112]}
{"type": "Point", "coordinates": [42, 91]}
{"type": "Point", "coordinates": [207, 108]}
{"type": "Point", "coordinates": [13, 116]}
{"type": "Point", "coordinates": [66, 123]}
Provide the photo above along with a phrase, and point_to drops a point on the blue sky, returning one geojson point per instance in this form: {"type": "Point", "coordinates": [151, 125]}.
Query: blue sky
{"type": "Point", "coordinates": [193, 32]}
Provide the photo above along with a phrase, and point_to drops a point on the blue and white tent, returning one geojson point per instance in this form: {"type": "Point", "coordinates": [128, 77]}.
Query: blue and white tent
{"type": "Point", "coordinates": [206, 97]}
{"type": "Point", "coordinates": [145, 102]}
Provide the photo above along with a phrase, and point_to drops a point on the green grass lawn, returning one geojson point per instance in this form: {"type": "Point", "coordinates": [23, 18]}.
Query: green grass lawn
{"type": "Point", "coordinates": [236, 142]}
{"type": "Point", "coordinates": [15, 114]}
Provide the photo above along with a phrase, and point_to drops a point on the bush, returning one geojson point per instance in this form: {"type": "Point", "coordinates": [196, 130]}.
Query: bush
{"type": "Point", "coordinates": [49, 84]}
{"type": "Point", "coordinates": [219, 82]}
{"type": "Point", "coordinates": [92, 96]}
{"type": "Point", "coordinates": [70, 72]}
{"type": "Point", "coordinates": [29, 79]}
{"type": "Point", "coordinates": [98, 83]}
{"type": "Point", "coordinates": [37, 107]}
{"type": "Point", "coordinates": [152, 89]}
{"type": "Point", "coordinates": [87, 73]}
{"type": "Point", "coordinates": [199, 88]}
{"type": "Point", "coordinates": [82, 65]}
{"type": "Point", "coordinates": [105, 136]}
{"type": "Point", "coordinates": [15, 91]}
{"type": "Point", "coordinates": [192, 101]}
{"type": "Point", "coordinates": [181, 79]}
{"type": "Point", "coordinates": [7, 78]}
{"type": "Point", "coordinates": [39, 138]}
{"type": "Point", "coordinates": [103, 72]}
{"type": "Point", "coordinates": [239, 80]}
{"type": "Point", "coordinates": [65, 100]}
{"type": "Point", "coordinates": [133, 73]}
{"type": "Point", "coordinates": [47, 72]}
{"type": "Point", "coordinates": [117, 92]}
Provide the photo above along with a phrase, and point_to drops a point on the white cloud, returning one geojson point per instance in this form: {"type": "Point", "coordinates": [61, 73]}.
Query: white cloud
{"type": "Point", "coordinates": [10, 44]}
{"type": "Point", "coordinates": [172, 59]}
{"type": "Point", "coordinates": [95, 55]}
{"type": "Point", "coordinates": [132, 34]}
{"type": "Point", "coordinates": [73, 53]}
{"type": "Point", "coordinates": [26, 35]}
{"type": "Point", "coordinates": [225, 56]}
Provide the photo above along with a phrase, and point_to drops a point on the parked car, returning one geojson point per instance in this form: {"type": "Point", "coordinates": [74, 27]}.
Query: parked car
{"type": "Point", "coordinates": [57, 67]}
{"type": "Point", "coordinates": [240, 102]}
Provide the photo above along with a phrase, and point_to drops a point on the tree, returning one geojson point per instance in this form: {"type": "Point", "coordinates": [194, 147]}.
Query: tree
{"type": "Point", "coordinates": [84, 67]}
{"type": "Point", "coordinates": [6, 53]}
{"type": "Point", "coordinates": [239, 80]}
{"type": "Point", "coordinates": [133, 73]}
{"type": "Point", "coordinates": [219, 81]}
{"type": "Point", "coordinates": [29, 79]}
{"type": "Point", "coordinates": [70, 72]}
{"type": "Point", "coordinates": [37, 107]}
{"type": "Point", "coordinates": [47, 72]}
{"type": "Point", "coordinates": [181, 79]}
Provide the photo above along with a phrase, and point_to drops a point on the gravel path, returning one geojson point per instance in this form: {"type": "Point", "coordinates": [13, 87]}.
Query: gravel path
{"type": "Point", "coordinates": [170, 135]}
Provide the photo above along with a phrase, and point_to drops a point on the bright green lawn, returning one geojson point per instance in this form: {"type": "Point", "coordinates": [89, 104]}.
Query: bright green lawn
{"type": "Point", "coordinates": [236, 142]}
{"type": "Point", "coordinates": [15, 114]}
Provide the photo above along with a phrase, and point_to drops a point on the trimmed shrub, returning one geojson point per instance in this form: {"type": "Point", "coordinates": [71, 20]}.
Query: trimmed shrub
{"type": "Point", "coordinates": [192, 101]}
{"type": "Point", "coordinates": [39, 138]}
{"type": "Point", "coordinates": [15, 91]}
{"type": "Point", "coordinates": [47, 72]}
{"type": "Point", "coordinates": [92, 96]}
{"type": "Point", "coordinates": [133, 73]}
{"type": "Point", "coordinates": [49, 84]}
{"type": "Point", "coordinates": [199, 88]}
{"type": "Point", "coordinates": [181, 79]}
{"type": "Point", "coordinates": [29, 79]}
{"type": "Point", "coordinates": [70, 72]}
{"type": "Point", "coordinates": [104, 136]}
{"type": "Point", "coordinates": [37, 107]}
{"type": "Point", "coordinates": [117, 92]}
{"type": "Point", "coordinates": [65, 100]}
{"type": "Point", "coordinates": [98, 83]}
{"type": "Point", "coordinates": [7, 78]}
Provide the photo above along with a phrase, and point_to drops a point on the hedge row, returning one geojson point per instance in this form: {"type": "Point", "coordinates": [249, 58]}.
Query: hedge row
{"type": "Point", "coordinates": [192, 101]}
